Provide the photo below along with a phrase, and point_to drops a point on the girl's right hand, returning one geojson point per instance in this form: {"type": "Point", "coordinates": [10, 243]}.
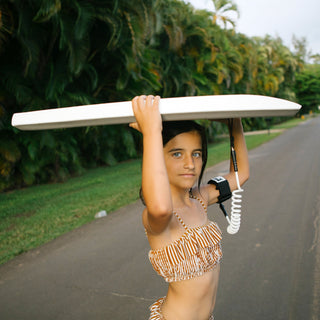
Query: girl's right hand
{"type": "Point", "coordinates": [147, 114]}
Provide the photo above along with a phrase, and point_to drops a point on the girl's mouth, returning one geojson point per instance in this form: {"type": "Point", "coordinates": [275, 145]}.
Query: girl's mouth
{"type": "Point", "coordinates": [187, 175]}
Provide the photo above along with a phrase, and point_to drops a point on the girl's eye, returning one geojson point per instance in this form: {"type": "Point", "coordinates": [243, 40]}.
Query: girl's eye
{"type": "Point", "coordinates": [176, 154]}
{"type": "Point", "coordinates": [197, 154]}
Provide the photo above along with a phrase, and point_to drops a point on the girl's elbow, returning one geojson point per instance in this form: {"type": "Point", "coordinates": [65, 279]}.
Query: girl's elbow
{"type": "Point", "coordinates": [244, 177]}
{"type": "Point", "coordinates": [160, 211]}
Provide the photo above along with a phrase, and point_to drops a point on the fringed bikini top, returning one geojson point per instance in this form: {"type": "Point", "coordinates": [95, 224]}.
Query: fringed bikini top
{"type": "Point", "coordinates": [197, 251]}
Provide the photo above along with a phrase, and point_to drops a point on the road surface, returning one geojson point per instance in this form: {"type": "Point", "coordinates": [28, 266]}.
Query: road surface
{"type": "Point", "coordinates": [270, 269]}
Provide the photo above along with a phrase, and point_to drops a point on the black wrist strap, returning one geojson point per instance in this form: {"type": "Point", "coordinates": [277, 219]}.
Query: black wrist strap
{"type": "Point", "coordinates": [222, 185]}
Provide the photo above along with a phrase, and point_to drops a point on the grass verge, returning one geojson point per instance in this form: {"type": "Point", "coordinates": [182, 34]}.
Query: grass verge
{"type": "Point", "coordinates": [39, 214]}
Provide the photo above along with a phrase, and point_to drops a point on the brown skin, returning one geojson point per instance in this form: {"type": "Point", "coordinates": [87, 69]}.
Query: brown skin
{"type": "Point", "coordinates": [167, 175]}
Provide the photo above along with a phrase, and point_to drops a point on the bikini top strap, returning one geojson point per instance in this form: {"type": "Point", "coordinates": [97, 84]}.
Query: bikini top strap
{"type": "Point", "coordinates": [201, 202]}
{"type": "Point", "coordinates": [179, 218]}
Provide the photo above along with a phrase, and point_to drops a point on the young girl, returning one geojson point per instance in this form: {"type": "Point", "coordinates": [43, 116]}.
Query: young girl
{"type": "Point", "coordinates": [185, 245]}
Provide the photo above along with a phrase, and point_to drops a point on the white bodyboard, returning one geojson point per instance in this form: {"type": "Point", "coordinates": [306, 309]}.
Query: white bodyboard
{"type": "Point", "coordinates": [182, 108]}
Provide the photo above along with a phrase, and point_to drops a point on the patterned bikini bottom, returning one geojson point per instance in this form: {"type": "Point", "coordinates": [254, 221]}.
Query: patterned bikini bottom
{"type": "Point", "coordinates": [156, 310]}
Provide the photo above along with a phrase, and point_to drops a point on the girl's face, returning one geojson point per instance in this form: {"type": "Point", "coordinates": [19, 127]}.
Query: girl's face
{"type": "Point", "coordinates": [183, 158]}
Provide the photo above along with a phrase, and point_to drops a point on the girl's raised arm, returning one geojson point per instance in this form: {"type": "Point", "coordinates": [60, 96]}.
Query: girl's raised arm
{"type": "Point", "coordinates": [155, 182]}
{"type": "Point", "coordinates": [242, 162]}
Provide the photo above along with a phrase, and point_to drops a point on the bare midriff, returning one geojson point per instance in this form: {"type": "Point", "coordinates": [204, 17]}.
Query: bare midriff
{"type": "Point", "coordinates": [192, 299]}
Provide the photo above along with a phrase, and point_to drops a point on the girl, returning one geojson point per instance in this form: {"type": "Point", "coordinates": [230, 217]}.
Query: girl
{"type": "Point", "coordinates": [185, 245]}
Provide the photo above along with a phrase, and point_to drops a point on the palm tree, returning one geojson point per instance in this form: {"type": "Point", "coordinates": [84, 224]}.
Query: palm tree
{"type": "Point", "coordinates": [277, 66]}
{"type": "Point", "coordinates": [222, 11]}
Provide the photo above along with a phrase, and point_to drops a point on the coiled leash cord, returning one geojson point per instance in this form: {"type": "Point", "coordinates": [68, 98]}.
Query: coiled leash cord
{"type": "Point", "coordinates": [223, 186]}
{"type": "Point", "coordinates": [235, 218]}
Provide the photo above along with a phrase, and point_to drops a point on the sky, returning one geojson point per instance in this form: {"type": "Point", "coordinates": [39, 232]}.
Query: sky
{"type": "Point", "coordinates": [283, 18]}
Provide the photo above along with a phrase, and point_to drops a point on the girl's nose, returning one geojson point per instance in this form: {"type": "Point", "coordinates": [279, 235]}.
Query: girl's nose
{"type": "Point", "coordinates": [189, 162]}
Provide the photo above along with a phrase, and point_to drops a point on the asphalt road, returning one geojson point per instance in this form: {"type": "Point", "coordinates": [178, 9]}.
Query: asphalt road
{"type": "Point", "coordinates": [270, 270]}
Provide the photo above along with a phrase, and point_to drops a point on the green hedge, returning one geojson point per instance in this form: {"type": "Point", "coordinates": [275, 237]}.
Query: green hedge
{"type": "Point", "coordinates": [58, 53]}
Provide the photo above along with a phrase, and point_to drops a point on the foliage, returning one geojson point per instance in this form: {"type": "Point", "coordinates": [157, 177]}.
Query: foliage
{"type": "Point", "coordinates": [60, 53]}
{"type": "Point", "coordinates": [307, 88]}
{"type": "Point", "coordinates": [67, 53]}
